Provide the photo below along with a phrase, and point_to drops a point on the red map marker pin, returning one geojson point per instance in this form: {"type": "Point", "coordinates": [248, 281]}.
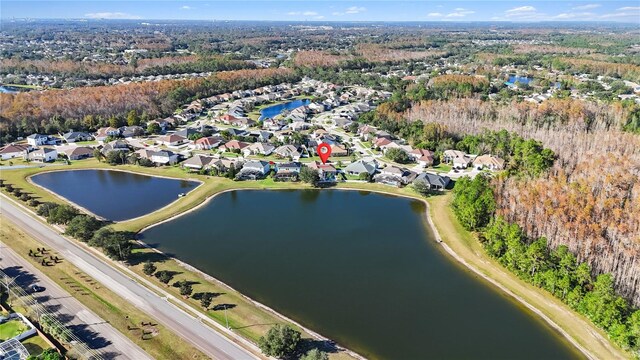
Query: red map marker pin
{"type": "Point", "coordinates": [324, 151]}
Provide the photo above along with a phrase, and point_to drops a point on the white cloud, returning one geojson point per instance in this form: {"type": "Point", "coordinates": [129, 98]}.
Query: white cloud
{"type": "Point", "coordinates": [460, 13]}
{"type": "Point", "coordinates": [186, 7]}
{"type": "Point", "coordinates": [457, 13]}
{"type": "Point", "coordinates": [355, 10]}
{"type": "Point", "coordinates": [111, 15]}
{"type": "Point", "coordinates": [573, 15]}
{"type": "Point", "coordinates": [303, 13]}
{"type": "Point", "coordinates": [629, 8]}
{"type": "Point", "coordinates": [586, 7]}
{"type": "Point", "coordinates": [320, 17]}
{"type": "Point", "coordinates": [630, 15]}
{"type": "Point", "coordinates": [525, 13]}
{"type": "Point", "coordinates": [521, 10]}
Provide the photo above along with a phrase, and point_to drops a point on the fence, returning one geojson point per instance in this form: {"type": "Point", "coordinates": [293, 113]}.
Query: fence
{"type": "Point", "coordinates": [77, 348]}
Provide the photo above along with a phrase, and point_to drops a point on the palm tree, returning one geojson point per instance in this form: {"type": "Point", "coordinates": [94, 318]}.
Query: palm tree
{"type": "Point", "coordinates": [98, 154]}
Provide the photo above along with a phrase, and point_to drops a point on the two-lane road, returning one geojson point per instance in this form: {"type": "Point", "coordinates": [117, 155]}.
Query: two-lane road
{"type": "Point", "coordinates": [97, 333]}
{"type": "Point", "coordinates": [205, 338]}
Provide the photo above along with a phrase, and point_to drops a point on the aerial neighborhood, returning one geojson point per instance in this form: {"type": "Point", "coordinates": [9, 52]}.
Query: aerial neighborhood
{"type": "Point", "coordinates": [224, 135]}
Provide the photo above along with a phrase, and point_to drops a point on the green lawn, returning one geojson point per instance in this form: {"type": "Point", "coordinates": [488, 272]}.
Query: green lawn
{"type": "Point", "coordinates": [441, 168]}
{"type": "Point", "coordinates": [11, 328]}
{"type": "Point", "coordinates": [230, 155]}
{"type": "Point", "coordinates": [86, 143]}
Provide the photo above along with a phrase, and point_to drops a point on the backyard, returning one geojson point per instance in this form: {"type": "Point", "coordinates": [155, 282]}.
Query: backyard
{"type": "Point", "coordinates": [11, 328]}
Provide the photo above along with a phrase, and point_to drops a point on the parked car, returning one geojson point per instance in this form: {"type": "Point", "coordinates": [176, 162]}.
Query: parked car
{"type": "Point", "coordinates": [35, 288]}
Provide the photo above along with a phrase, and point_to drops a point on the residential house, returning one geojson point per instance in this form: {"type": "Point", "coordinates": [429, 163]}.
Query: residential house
{"type": "Point", "coordinates": [208, 143]}
{"type": "Point", "coordinates": [488, 162]}
{"type": "Point", "coordinates": [224, 164]}
{"type": "Point", "coordinates": [103, 133]}
{"type": "Point", "coordinates": [78, 152]}
{"type": "Point", "coordinates": [115, 145]}
{"type": "Point", "coordinates": [299, 125]}
{"type": "Point", "coordinates": [43, 155]}
{"type": "Point", "coordinates": [172, 140]}
{"type": "Point", "coordinates": [14, 151]}
{"type": "Point", "coordinates": [339, 150]}
{"type": "Point", "coordinates": [457, 159]}
{"type": "Point", "coordinates": [258, 148]}
{"type": "Point", "coordinates": [360, 167]}
{"type": "Point", "coordinates": [198, 162]}
{"type": "Point", "coordinates": [231, 145]}
{"type": "Point", "coordinates": [287, 171]}
{"type": "Point", "coordinates": [235, 132]}
{"type": "Point", "coordinates": [435, 181]}
{"type": "Point", "coordinates": [227, 119]}
{"type": "Point", "coordinates": [75, 136]}
{"type": "Point", "coordinates": [39, 140]}
{"type": "Point", "coordinates": [261, 136]}
{"type": "Point", "coordinates": [423, 157]}
{"type": "Point", "coordinates": [395, 176]}
{"type": "Point", "coordinates": [272, 124]}
{"type": "Point", "coordinates": [131, 131]}
{"type": "Point", "coordinates": [158, 157]}
{"type": "Point", "coordinates": [283, 135]}
{"type": "Point", "coordinates": [366, 132]}
{"type": "Point", "coordinates": [342, 123]}
{"type": "Point", "coordinates": [185, 133]}
{"type": "Point", "coordinates": [254, 170]}
{"type": "Point", "coordinates": [326, 171]}
{"type": "Point", "coordinates": [288, 152]}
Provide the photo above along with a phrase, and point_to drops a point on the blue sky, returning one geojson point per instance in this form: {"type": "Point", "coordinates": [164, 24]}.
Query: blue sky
{"type": "Point", "coordinates": [517, 11]}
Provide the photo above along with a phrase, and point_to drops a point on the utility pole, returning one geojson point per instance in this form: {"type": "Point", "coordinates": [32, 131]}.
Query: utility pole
{"type": "Point", "coordinates": [225, 316]}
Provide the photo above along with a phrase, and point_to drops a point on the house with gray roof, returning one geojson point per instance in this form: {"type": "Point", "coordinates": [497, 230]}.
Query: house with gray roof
{"type": "Point", "coordinates": [435, 181]}
{"type": "Point", "coordinates": [287, 171]}
{"type": "Point", "coordinates": [198, 162]}
{"type": "Point", "coordinates": [360, 167]}
{"type": "Point", "coordinates": [74, 136]}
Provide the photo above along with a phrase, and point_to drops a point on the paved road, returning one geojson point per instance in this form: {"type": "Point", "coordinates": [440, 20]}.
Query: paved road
{"type": "Point", "coordinates": [205, 338]}
{"type": "Point", "coordinates": [97, 333]}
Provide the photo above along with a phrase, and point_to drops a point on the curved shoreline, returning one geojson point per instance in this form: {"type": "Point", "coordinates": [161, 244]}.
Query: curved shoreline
{"type": "Point", "coordinates": [438, 239]}
{"type": "Point", "coordinates": [83, 209]}
{"type": "Point", "coordinates": [505, 290]}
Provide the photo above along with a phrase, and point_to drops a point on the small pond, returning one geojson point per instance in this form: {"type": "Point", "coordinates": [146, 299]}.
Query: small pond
{"type": "Point", "coordinates": [275, 110]}
{"type": "Point", "coordinates": [114, 195]}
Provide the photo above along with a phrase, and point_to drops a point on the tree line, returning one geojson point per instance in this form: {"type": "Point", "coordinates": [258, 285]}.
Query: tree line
{"type": "Point", "coordinates": [557, 271]}
{"type": "Point", "coordinates": [86, 228]}
{"type": "Point", "coordinates": [87, 108]}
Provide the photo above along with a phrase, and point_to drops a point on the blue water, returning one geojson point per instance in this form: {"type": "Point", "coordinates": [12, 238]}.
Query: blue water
{"type": "Point", "coordinates": [114, 195]}
{"type": "Point", "coordinates": [521, 79]}
{"type": "Point", "coordinates": [7, 90]}
{"type": "Point", "coordinates": [275, 110]}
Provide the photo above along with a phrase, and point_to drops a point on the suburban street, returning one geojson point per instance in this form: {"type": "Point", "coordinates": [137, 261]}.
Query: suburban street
{"type": "Point", "coordinates": [205, 338]}
{"type": "Point", "coordinates": [97, 333]}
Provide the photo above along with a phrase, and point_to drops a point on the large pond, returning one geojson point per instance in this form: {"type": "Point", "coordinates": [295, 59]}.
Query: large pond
{"type": "Point", "coordinates": [360, 268]}
{"type": "Point", "coordinates": [114, 195]}
{"type": "Point", "coordinates": [275, 110]}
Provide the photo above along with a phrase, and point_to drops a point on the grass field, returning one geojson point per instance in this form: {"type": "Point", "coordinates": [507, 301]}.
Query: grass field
{"type": "Point", "coordinates": [11, 328]}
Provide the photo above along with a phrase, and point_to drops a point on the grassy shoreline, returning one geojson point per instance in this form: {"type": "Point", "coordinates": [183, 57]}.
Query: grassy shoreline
{"type": "Point", "coordinates": [462, 246]}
